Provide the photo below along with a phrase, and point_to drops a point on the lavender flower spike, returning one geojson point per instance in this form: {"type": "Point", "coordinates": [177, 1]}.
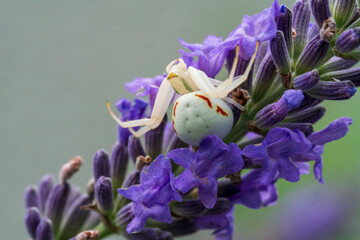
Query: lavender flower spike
{"type": "Point", "coordinates": [212, 161]}
{"type": "Point", "coordinates": [151, 197]}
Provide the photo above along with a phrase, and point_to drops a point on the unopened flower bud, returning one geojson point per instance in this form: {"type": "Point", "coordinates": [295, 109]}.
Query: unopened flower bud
{"type": "Point", "coordinates": [313, 54]}
{"type": "Point", "coordinates": [352, 74]}
{"type": "Point", "coordinates": [306, 81]}
{"type": "Point", "coordinates": [118, 161]}
{"type": "Point", "coordinates": [306, 103]}
{"type": "Point", "coordinates": [334, 90]}
{"type": "Point", "coordinates": [124, 215]}
{"type": "Point", "coordinates": [31, 197]}
{"type": "Point", "coordinates": [90, 187]}
{"type": "Point", "coordinates": [55, 204]}
{"type": "Point", "coordinates": [132, 179]}
{"type": "Point", "coordinates": [343, 11]}
{"type": "Point", "coordinates": [45, 186]}
{"type": "Point", "coordinates": [320, 11]}
{"type": "Point", "coordinates": [75, 217]}
{"type": "Point", "coordinates": [280, 53]}
{"type": "Point", "coordinates": [284, 24]}
{"type": "Point", "coordinates": [188, 208]}
{"type": "Point", "coordinates": [135, 148]}
{"type": "Point", "coordinates": [308, 115]}
{"type": "Point", "coordinates": [222, 205]}
{"type": "Point", "coordinates": [348, 40]}
{"type": "Point", "coordinates": [92, 221]}
{"type": "Point", "coordinates": [264, 78]}
{"type": "Point", "coordinates": [262, 51]}
{"type": "Point", "coordinates": [154, 138]}
{"type": "Point", "coordinates": [276, 112]}
{"type": "Point", "coordinates": [104, 195]}
{"type": "Point", "coordinates": [88, 235]}
{"type": "Point", "coordinates": [32, 220]}
{"type": "Point", "coordinates": [44, 230]}
{"type": "Point", "coordinates": [101, 164]}
{"type": "Point", "coordinates": [301, 19]}
{"type": "Point", "coordinates": [149, 233]}
{"type": "Point", "coordinates": [69, 168]}
{"type": "Point", "coordinates": [74, 194]}
{"type": "Point", "coordinates": [335, 64]}
{"type": "Point", "coordinates": [312, 31]}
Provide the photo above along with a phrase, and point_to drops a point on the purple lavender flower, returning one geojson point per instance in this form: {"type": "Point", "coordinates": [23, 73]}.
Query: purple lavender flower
{"type": "Point", "coordinates": [275, 154]}
{"type": "Point", "coordinates": [212, 52]}
{"type": "Point", "coordinates": [336, 130]}
{"type": "Point", "coordinates": [129, 112]}
{"type": "Point", "coordinates": [259, 27]}
{"type": "Point", "coordinates": [151, 197]}
{"type": "Point", "coordinates": [213, 160]}
{"type": "Point", "coordinates": [142, 86]}
{"type": "Point", "coordinates": [222, 223]}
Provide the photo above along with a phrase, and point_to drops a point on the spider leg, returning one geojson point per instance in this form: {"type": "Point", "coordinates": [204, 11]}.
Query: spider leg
{"type": "Point", "coordinates": [162, 102]}
{"type": "Point", "coordinates": [202, 81]}
{"type": "Point", "coordinates": [225, 87]}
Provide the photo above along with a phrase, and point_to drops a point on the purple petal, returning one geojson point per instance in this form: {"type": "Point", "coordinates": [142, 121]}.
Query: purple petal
{"type": "Point", "coordinates": [183, 156]}
{"type": "Point", "coordinates": [133, 192]}
{"type": "Point", "coordinates": [185, 181]}
{"type": "Point", "coordinates": [336, 130]}
{"type": "Point", "coordinates": [208, 192]}
{"type": "Point", "coordinates": [288, 170]}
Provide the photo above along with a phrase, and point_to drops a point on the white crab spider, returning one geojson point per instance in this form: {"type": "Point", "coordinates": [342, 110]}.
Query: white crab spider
{"type": "Point", "coordinates": [200, 111]}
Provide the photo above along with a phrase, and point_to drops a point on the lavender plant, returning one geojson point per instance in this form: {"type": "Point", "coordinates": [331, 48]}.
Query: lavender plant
{"type": "Point", "coordinates": [185, 182]}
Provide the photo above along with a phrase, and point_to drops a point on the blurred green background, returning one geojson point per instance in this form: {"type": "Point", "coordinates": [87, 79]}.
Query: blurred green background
{"type": "Point", "coordinates": [60, 61]}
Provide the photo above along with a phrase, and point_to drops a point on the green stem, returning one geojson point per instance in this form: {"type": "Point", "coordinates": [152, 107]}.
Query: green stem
{"type": "Point", "coordinates": [241, 128]}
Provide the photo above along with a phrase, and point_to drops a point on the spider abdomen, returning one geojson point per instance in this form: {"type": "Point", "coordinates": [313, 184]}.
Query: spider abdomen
{"type": "Point", "coordinates": [196, 116]}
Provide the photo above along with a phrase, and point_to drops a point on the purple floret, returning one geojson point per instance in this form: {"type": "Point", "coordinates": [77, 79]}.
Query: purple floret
{"type": "Point", "coordinates": [151, 197]}
{"type": "Point", "coordinates": [213, 160]}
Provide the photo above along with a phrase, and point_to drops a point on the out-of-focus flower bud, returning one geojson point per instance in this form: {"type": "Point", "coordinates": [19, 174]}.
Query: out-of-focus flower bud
{"type": "Point", "coordinates": [101, 164]}
{"type": "Point", "coordinates": [334, 90]}
{"type": "Point", "coordinates": [69, 168]}
{"type": "Point", "coordinates": [309, 115]}
{"type": "Point", "coordinates": [45, 186]}
{"type": "Point", "coordinates": [149, 233]}
{"type": "Point", "coordinates": [343, 11]}
{"type": "Point", "coordinates": [348, 40]}
{"type": "Point", "coordinates": [284, 24]}
{"type": "Point", "coordinates": [104, 195]}
{"type": "Point", "coordinates": [280, 53]}
{"type": "Point", "coordinates": [313, 54]}
{"type": "Point", "coordinates": [312, 31]}
{"type": "Point", "coordinates": [306, 81]}
{"type": "Point", "coordinates": [55, 204]}
{"type": "Point", "coordinates": [31, 197]}
{"type": "Point", "coordinates": [124, 215]}
{"type": "Point", "coordinates": [154, 138]}
{"type": "Point", "coordinates": [44, 230]}
{"type": "Point", "coordinates": [32, 220]}
{"type": "Point", "coordinates": [188, 208]}
{"type": "Point", "coordinates": [335, 64]}
{"type": "Point", "coordinates": [75, 217]}
{"type": "Point", "coordinates": [118, 161]}
{"type": "Point", "coordinates": [135, 148]}
{"type": "Point", "coordinates": [320, 11]}
{"type": "Point", "coordinates": [264, 78]}
{"type": "Point", "coordinates": [301, 19]}
{"type": "Point", "coordinates": [276, 112]}
{"type": "Point", "coordinates": [352, 74]}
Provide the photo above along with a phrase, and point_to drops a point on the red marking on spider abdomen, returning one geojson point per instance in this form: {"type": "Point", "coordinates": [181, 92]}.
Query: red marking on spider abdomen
{"type": "Point", "coordinates": [173, 123]}
{"type": "Point", "coordinates": [205, 98]}
{"type": "Point", "coordinates": [175, 108]}
{"type": "Point", "coordinates": [221, 111]}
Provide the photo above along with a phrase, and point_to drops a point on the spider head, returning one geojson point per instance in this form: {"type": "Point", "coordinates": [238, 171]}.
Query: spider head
{"type": "Point", "coordinates": [179, 77]}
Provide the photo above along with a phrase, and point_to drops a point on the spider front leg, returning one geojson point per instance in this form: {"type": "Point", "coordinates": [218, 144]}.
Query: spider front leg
{"type": "Point", "coordinates": [228, 85]}
{"type": "Point", "coordinates": [162, 102]}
